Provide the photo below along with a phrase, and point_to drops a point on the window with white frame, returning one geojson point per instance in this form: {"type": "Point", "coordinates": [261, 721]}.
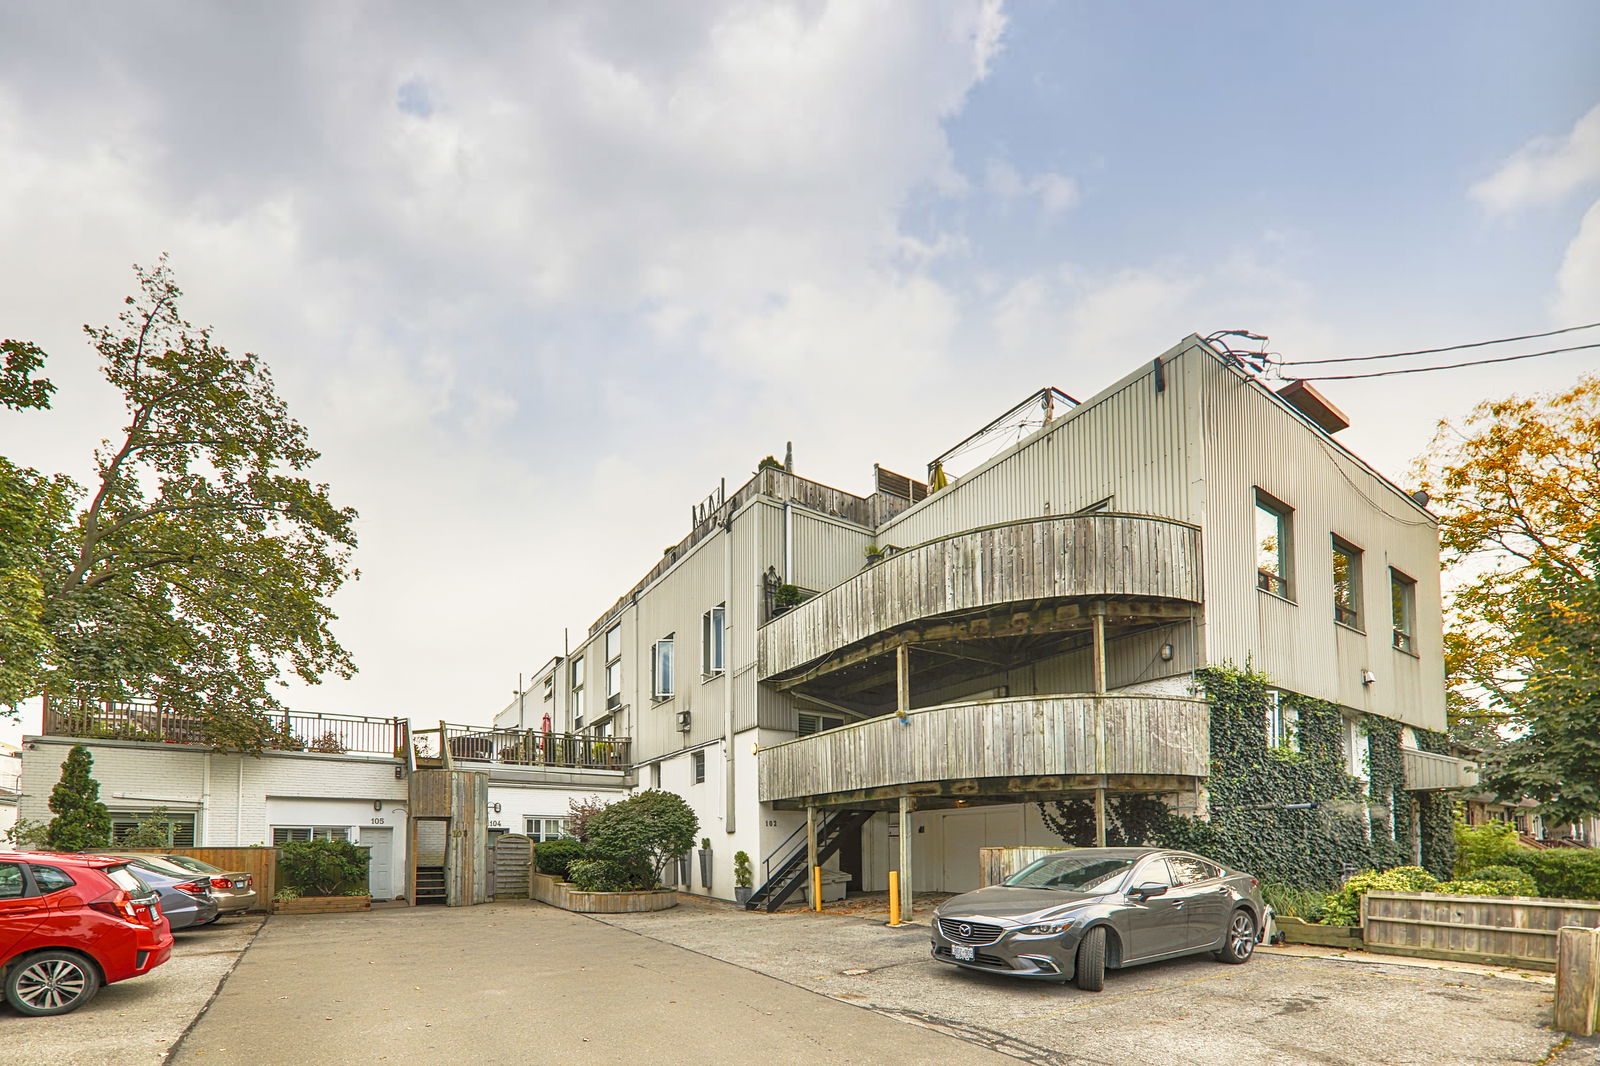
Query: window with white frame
{"type": "Point", "coordinates": [283, 834]}
{"type": "Point", "coordinates": [550, 686]}
{"type": "Point", "coordinates": [1346, 584]}
{"type": "Point", "coordinates": [714, 640]}
{"type": "Point", "coordinates": [545, 828]}
{"type": "Point", "coordinates": [1274, 546]}
{"type": "Point", "coordinates": [662, 679]}
{"type": "Point", "coordinates": [1403, 607]}
{"type": "Point", "coordinates": [1357, 751]}
{"type": "Point", "coordinates": [698, 761]}
{"type": "Point", "coordinates": [577, 692]}
{"type": "Point", "coordinates": [614, 668]}
{"type": "Point", "coordinates": [179, 826]}
{"type": "Point", "coordinates": [1283, 723]}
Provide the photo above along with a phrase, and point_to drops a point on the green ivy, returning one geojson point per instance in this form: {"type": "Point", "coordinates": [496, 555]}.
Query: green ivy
{"type": "Point", "coordinates": [1295, 817]}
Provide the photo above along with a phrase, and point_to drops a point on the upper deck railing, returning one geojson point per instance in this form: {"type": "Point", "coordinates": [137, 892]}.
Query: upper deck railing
{"type": "Point", "coordinates": [520, 747]}
{"type": "Point", "coordinates": [332, 734]}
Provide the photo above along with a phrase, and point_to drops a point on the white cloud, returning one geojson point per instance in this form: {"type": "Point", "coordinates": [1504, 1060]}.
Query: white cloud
{"type": "Point", "coordinates": [1054, 192]}
{"type": "Point", "coordinates": [1578, 283]}
{"type": "Point", "coordinates": [1545, 169]}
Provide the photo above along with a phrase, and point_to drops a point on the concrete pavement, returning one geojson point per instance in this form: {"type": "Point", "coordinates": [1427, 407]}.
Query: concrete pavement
{"type": "Point", "coordinates": [518, 982]}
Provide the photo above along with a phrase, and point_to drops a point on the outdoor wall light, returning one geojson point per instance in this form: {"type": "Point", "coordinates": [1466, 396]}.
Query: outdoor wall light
{"type": "Point", "coordinates": [1368, 677]}
{"type": "Point", "coordinates": [1166, 653]}
{"type": "Point", "coordinates": [377, 805]}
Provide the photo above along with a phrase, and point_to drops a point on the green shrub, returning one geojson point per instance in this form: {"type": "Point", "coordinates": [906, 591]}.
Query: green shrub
{"type": "Point", "coordinates": [608, 875]}
{"type": "Point", "coordinates": [1344, 906]}
{"type": "Point", "coordinates": [553, 856]}
{"type": "Point", "coordinates": [1561, 873]}
{"type": "Point", "coordinates": [1471, 886]}
{"type": "Point", "coordinates": [653, 827]}
{"type": "Point", "coordinates": [1483, 845]}
{"type": "Point", "coordinates": [323, 867]}
{"type": "Point", "coordinates": [742, 874]}
{"type": "Point", "coordinates": [1521, 881]}
{"type": "Point", "coordinates": [1307, 904]}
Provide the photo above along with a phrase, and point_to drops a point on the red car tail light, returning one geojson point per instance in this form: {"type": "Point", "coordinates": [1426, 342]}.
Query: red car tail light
{"type": "Point", "coordinates": [194, 888]}
{"type": "Point", "coordinates": [118, 906]}
{"type": "Point", "coordinates": [221, 882]}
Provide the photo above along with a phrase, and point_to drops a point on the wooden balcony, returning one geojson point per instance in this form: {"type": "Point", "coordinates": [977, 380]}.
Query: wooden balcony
{"type": "Point", "coordinates": [1056, 566]}
{"type": "Point", "coordinates": [1014, 748]}
{"type": "Point", "coordinates": [464, 746]}
{"type": "Point", "coordinates": [145, 720]}
{"type": "Point", "coordinates": [1425, 771]}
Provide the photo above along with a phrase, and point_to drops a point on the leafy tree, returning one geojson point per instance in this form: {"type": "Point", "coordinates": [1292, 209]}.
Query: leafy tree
{"type": "Point", "coordinates": [19, 387]}
{"type": "Point", "coordinates": [81, 820]}
{"type": "Point", "coordinates": [1518, 493]}
{"type": "Point", "coordinates": [196, 568]}
{"type": "Point", "coordinates": [579, 813]}
{"type": "Point", "coordinates": [1556, 760]}
{"type": "Point", "coordinates": [655, 826]}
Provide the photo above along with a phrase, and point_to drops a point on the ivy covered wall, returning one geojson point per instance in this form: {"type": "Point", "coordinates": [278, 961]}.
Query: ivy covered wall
{"type": "Point", "coordinates": [1291, 813]}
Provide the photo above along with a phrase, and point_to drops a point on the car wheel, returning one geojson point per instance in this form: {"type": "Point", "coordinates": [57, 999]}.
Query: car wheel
{"type": "Point", "coordinates": [1090, 973]}
{"type": "Point", "coordinates": [1240, 942]}
{"type": "Point", "coordinates": [51, 982]}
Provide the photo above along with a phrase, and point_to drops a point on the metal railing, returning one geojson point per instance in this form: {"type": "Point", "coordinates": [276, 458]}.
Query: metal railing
{"type": "Point", "coordinates": [450, 744]}
{"type": "Point", "coordinates": [147, 720]}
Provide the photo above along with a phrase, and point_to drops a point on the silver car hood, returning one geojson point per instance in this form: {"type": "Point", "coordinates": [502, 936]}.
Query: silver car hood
{"type": "Point", "coordinates": [1006, 901]}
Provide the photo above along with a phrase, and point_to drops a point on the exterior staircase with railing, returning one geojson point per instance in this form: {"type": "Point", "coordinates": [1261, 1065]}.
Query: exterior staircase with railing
{"type": "Point", "coordinates": [791, 873]}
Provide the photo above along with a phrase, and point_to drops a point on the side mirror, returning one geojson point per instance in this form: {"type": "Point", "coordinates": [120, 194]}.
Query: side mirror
{"type": "Point", "coordinates": [1148, 889]}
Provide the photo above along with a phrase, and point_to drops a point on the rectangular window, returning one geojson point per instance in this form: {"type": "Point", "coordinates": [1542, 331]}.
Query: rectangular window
{"type": "Point", "coordinates": [1283, 723]}
{"type": "Point", "coordinates": [817, 723]}
{"type": "Point", "coordinates": [1403, 605]}
{"type": "Point", "coordinates": [282, 834]}
{"type": "Point", "coordinates": [541, 829]}
{"type": "Point", "coordinates": [1357, 751]}
{"type": "Point", "coordinates": [1346, 584]}
{"type": "Point", "coordinates": [550, 687]}
{"type": "Point", "coordinates": [180, 826]}
{"type": "Point", "coordinates": [662, 679]}
{"type": "Point", "coordinates": [614, 668]}
{"type": "Point", "coordinates": [699, 759]}
{"type": "Point", "coordinates": [1274, 546]}
{"type": "Point", "coordinates": [613, 643]}
{"type": "Point", "coordinates": [714, 640]}
{"type": "Point", "coordinates": [577, 693]}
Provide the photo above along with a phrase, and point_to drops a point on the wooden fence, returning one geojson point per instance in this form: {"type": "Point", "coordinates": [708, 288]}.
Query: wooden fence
{"type": "Point", "coordinates": [1577, 1006]}
{"type": "Point", "coordinates": [1510, 931]}
{"type": "Point", "coordinates": [259, 863]}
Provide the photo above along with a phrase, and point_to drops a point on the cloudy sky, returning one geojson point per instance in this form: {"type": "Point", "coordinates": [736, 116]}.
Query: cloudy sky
{"type": "Point", "coordinates": [535, 277]}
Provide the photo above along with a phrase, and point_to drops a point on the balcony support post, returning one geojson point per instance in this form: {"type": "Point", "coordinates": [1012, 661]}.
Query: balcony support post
{"type": "Point", "coordinates": [812, 861]}
{"type": "Point", "coordinates": [1100, 814]}
{"type": "Point", "coordinates": [906, 893]}
{"type": "Point", "coordinates": [902, 681]}
{"type": "Point", "coordinates": [1098, 620]}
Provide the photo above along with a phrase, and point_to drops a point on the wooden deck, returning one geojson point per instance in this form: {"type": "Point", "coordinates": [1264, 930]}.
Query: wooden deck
{"type": "Point", "coordinates": [1044, 560]}
{"type": "Point", "coordinates": [1022, 744]}
{"type": "Point", "coordinates": [1425, 771]}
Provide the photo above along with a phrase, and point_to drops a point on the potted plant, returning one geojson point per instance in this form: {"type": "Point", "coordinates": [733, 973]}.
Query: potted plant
{"type": "Point", "coordinates": [742, 877]}
{"type": "Point", "coordinates": [786, 598]}
{"type": "Point", "coordinates": [874, 554]}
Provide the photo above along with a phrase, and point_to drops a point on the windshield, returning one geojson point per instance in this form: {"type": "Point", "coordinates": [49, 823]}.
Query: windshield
{"type": "Point", "coordinates": [125, 878]}
{"type": "Point", "coordinates": [160, 866]}
{"type": "Point", "coordinates": [1073, 873]}
{"type": "Point", "coordinates": [193, 864]}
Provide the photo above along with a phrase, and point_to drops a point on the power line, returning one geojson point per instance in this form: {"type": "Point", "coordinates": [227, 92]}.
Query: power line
{"type": "Point", "coordinates": [1446, 366]}
{"type": "Point", "coordinates": [1449, 348]}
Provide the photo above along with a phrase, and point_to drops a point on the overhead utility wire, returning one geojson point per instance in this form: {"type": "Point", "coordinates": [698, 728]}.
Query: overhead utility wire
{"type": "Point", "coordinates": [1449, 348]}
{"type": "Point", "coordinates": [1446, 366]}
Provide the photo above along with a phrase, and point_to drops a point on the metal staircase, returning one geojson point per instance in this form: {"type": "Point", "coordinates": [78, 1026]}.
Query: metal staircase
{"type": "Point", "coordinates": [790, 875]}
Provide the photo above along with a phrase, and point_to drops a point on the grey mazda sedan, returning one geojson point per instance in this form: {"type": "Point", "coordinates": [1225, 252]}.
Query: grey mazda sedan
{"type": "Point", "coordinates": [1076, 914]}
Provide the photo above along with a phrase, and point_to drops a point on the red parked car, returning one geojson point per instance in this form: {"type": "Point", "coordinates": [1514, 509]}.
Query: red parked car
{"type": "Point", "coordinates": [71, 923]}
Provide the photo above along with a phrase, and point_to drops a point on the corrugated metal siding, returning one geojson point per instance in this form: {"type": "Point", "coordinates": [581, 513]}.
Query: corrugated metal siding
{"type": "Point", "coordinates": [1129, 443]}
{"type": "Point", "coordinates": [1053, 735]}
{"type": "Point", "coordinates": [1040, 559]}
{"type": "Point", "coordinates": [825, 552]}
{"type": "Point", "coordinates": [1251, 441]}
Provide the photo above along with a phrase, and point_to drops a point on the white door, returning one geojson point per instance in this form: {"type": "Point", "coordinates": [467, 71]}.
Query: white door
{"type": "Point", "coordinates": [963, 836]}
{"type": "Point", "coordinates": [380, 872]}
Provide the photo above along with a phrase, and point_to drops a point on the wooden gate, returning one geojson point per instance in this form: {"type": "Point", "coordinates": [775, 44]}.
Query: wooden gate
{"type": "Point", "coordinates": [513, 860]}
{"type": "Point", "coordinates": [1508, 930]}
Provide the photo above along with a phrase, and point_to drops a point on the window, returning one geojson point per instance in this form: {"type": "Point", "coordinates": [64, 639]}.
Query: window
{"type": "Point", "coordinates": [613, 668]}
{"type": "Point", "coordinates": [577, 693]}
{"type": "Point", "coordinates": [12, 884]}
{"type": "Point", "coordinates": [282, 834]}
{"type": "Point", "coordinates": [180, 826]}
{"type": "Point", "coordinates": [661, 676]}
{"type": "Point", "coordinates": [817, 723]}
{"type": "Point", "coordinates": [1274, 546]}
{"type": "Point", "coordinates": [1190, 869]}
{"type": "Point", "coordinates": [714, 640]}
{"type": "Point", "coordinates": [1403, 605]}
{"type": "Point", "coordinates": [1346, 584]}
{"type": "Point", "coordinates": [699, 760]}
{"type": "Point", "coordinates": [541, 829]}
{"type": "Point", "coordinates": [550, 687]}
{"type": "Point", "coordinates": [1357, 751]}
{"type": "Point", "coordinates": [49, 879]}
{"type": "Point", "coordinates": [1283, 723]}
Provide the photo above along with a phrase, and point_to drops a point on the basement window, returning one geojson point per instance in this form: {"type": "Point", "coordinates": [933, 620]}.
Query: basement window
{"type": "Point", "coordinates": [180, 826]}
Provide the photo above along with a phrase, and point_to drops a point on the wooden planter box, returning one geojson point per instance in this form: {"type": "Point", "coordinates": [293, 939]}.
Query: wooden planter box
{"type": "Point", "coordinates": [1296, 931]}
{"type": "Point", "coordinates": [563, 894]}
{"type": "Point", "coordinates": [323, 905]}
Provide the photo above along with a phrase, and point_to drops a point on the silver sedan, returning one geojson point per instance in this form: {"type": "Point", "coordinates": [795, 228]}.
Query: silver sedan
{"type": "Point", "coordinates": [1076, 914]}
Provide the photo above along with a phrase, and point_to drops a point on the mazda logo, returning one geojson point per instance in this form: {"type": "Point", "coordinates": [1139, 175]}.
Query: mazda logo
{"type": "Point", "coordinates": [964, 929]}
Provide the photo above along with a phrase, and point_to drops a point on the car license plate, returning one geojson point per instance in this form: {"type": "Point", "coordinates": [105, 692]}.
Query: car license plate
{"type": "Point", "coordinates": [962, 952]}
{"type": "Point", "coordinates": [238, 884]}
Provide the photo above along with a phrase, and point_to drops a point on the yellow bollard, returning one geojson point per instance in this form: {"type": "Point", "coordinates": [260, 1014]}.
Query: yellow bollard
{"type": "Point", "coordinates": [894, 897]}
{"type": "Point", "coordinates": [816, 888]}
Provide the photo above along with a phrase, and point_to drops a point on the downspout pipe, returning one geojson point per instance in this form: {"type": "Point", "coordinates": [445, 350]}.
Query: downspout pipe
{"type": "Point", "coordinates": [729, 809]}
